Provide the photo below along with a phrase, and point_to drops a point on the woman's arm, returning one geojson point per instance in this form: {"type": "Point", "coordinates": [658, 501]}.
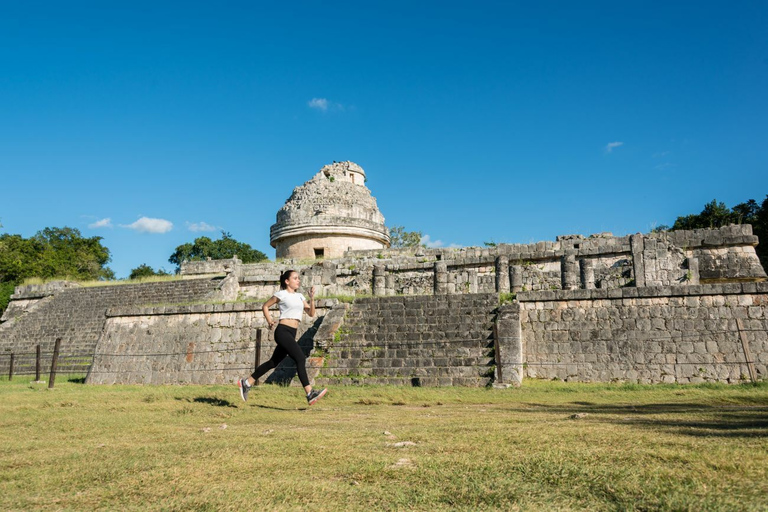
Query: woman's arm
{"type": "Point", "coordinates": [309, 307]}
{"type": "Point", "coordinates": [265, 309]}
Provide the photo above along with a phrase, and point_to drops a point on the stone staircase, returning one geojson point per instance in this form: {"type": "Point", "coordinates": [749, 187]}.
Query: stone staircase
{"type": "Point", "coordinates": [435, 340]}
{"type": "Point", "coordinates": [77, 316]}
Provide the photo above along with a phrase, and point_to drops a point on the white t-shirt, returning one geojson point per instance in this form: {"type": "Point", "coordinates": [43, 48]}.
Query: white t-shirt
{"type": "Point", "coordinates": [291, 304]}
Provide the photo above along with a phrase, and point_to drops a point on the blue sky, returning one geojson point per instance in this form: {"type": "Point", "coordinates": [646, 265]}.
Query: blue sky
{"type": "Point", "coordinates": [475, 121]}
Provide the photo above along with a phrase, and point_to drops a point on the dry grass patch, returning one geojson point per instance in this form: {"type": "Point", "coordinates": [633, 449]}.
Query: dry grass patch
{"type": "Point", "coordinates": [542, 447]}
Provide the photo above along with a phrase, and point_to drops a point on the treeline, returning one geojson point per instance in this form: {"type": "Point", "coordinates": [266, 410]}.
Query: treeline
{"type": "Point", "coordinates": [64, 253]}
{"type": "Point", "coordinates": [51, 252]}
{"type": "Point", "coordinates": [716, 214]}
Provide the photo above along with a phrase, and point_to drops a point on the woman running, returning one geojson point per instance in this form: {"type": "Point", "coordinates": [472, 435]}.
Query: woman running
{"type": "Point", "coordinates": [292, 305]}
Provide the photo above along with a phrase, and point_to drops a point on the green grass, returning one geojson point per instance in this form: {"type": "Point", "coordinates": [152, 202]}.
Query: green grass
{"type": "Point", "coordinates": [93, 283]}
{"type": "Point", "coordinates": [630, 447]}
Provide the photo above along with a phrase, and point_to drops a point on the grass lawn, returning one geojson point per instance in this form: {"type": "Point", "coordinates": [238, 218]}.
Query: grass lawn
{"type": "Point", "coordinates": [545, 446]}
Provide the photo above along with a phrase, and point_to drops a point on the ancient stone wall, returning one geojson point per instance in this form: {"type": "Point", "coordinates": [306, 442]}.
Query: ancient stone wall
{"type": "Point", "coordinates": [209, 267]}
{"type": "Point", "coordinates": [309, 245]}
{"type": "Point", "coordinates": [601, 308]}
{"type": "Point", "coordinates": [443, 340]}
{"type": "Point", "coordinates": [200, 344]}
{"type": "Point", "coordinates": [653, 334]}
{"type": "Point", "coordinates": [680, 258]}
{"type": "Point", "coordinates": [76, 315]}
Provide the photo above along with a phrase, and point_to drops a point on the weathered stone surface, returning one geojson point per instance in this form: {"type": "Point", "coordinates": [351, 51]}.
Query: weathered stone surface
{"type": "Point", "coordinates": [509, 342]}
{"type": "Point", "coordinates": [599, 262]}
{"type": "Point", "coordinates": [423, 341]}
{"type": "Point", "coordinates": [328, 215]}
{"type": "Point", "coordinates": [197, 344]}
{"type": "Point", "coordinates": [630, 333]}
{"type": "Point", "coordinates": [77, 315]}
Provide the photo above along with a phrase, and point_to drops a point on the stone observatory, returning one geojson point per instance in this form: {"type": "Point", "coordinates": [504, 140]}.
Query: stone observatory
{"type": "Point", "coordinates": [329, 215]}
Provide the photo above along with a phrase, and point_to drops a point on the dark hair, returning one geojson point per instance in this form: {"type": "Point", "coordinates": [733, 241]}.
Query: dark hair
{"type": "Point", "coordinates": [285, 275]}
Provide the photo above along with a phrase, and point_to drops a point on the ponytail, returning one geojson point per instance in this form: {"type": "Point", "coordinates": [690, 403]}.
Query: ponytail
{"type": "Point", "coordinates": [285, 275]}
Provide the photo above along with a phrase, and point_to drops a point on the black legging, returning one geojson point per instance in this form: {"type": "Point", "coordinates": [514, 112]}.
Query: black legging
{"type": "Point", "coordinates": [285, 337]}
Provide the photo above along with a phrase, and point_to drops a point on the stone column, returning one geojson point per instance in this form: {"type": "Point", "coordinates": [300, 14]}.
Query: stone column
{"type": "Point", "coordinates": [508, 344]}
{"type": "Point", "coordinates": [379, 280]}
{"type": "Point", "coordinates": [651, 274]}
{"type": "Point", "coordinates": [569, 272]}
{"type": "Point", "coordinates": [638, 262]}
{"type": "Point", "coordinates": [693, 270]}
{"type": "Point", "coordinates": [472, 278]}
{"type": "Point", "coordinates": [516, 278]}
{"type": "Point", "coordinates": [441, 277]}
{"type": "Point", "coordinates": [587, 274]}
{"type": "Point", "coordinates": [390, 284]}
{"type": "Point", "coordinates": [502, 274]}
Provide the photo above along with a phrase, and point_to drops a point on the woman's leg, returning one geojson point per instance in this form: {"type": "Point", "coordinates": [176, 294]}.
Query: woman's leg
{"type": "Point", "coordinates": [285, 337]}
{"type": "Point", "coordinates": [277, 356]}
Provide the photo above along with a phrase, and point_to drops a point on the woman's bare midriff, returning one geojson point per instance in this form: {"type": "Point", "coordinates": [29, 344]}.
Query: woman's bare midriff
{"type": "Point", "coordinates": [290, 322]}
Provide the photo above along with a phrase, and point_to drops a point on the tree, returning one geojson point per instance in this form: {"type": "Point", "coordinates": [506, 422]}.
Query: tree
{"type": "Point", "coordinates": [145, 270]}
{"type": "Point", "coordinates": [715, 215]}
{"type": "Point", "coordinates": [67, 253]}
{"type": "Point", "coordinates": [224, 248]}
{"type": "Point", "coordinates": [6, 290]}
{"type": "Point", "coordinates": [399, 238]}
{"type": "Point", "coordinates": [51, 253]}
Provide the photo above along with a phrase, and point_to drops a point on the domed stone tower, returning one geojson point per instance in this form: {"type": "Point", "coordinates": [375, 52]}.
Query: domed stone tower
{"type": "Point", "coordinates": [329, 214]}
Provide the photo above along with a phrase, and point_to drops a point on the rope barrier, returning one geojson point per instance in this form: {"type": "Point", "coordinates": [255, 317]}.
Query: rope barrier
{"type": "Point", "coordinates": [703, 337]}
{"type": "Point", "coordinates": [81, 363]}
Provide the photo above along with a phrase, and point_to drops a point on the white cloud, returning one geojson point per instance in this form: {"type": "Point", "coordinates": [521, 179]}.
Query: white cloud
{"type": "Point", "coordinates": [612, 145]}
{"type": "Point", "coordinates": [149, 225]}
{"type": "Point", "coordinates": [319, 104]}
{"type": "Point", "coordinates": [103, 223]}
{"type": "Point", "coordinates": [434, 244]}
{"type": "Point", "coordinates": [325, 105]}
{"type": "Point", "coordinates": [201, 226]}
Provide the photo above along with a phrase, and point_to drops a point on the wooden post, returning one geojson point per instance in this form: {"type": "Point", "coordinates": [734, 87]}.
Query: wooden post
{"type": "Point", "coordinates": [747, 353]}
{"type": "Point", "coordinates": [10, 370]}
{"type": "Point", "coordinates": [258, 352]}
{"type": "Point", "coordinates": [37, 364]}
{"type": "Point", "coordinates": [54, 363]}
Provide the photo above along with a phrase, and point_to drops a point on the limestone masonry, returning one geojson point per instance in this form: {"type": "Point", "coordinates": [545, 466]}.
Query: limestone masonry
{"type": "Point", "coordinates": [683, 306]}
{"type": "Point", "coordinates": [328, 215]}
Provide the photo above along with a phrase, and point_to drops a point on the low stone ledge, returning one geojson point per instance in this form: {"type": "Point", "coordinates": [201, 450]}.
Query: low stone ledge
{"type": "Point", "coordinates": [405, 267]}
{"type": "Point", "coordinates": [38, 291]}
{"type": "Point", "coordinates": [260, 279]}
{"type": "Point", "coordinates": [644, 292]}
{"type": "Point", "coordinates": [188, 309]}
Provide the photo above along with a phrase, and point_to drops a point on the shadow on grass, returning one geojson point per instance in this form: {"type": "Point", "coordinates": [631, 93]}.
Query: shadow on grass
{"type": "Point", "coordinates": [216, 402]}
{"type": "Point", "coordinates": [695, 419]}
{"type": "Point", "coordinates": [273, 408]}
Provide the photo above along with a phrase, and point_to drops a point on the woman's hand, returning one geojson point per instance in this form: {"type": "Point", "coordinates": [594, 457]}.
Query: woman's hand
{"type": "Point", "coordinates": [267, 314]}
{"type": "Point", "coordinates": [309, 307]}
